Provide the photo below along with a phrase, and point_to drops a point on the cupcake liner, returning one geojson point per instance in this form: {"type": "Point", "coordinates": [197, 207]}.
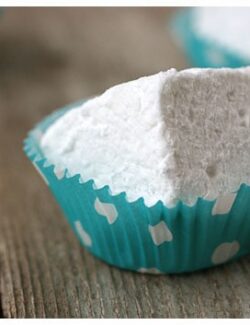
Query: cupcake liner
{"type": "Point", "coordinates": [200, 51]}
{"type": "Point", "coordinates": [133, 236]}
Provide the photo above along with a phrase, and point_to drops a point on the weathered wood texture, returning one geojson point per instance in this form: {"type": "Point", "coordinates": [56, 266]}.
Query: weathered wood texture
{"type": "Point", "coordinates": [48, 58]}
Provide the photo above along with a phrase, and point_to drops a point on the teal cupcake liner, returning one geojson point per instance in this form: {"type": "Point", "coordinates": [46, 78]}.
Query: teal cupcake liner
{"type": "Point", "coordinates": [131, 235]}
{"type": "Point", "coordinates": [200, 51]}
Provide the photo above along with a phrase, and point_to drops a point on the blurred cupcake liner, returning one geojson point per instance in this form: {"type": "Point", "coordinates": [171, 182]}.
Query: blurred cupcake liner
{"type": "Point", "coordinates": [200, 51]}
{"type": "Point", "coordinates": [133, 236]}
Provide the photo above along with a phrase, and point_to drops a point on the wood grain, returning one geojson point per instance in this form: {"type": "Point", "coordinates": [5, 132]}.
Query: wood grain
{"type": "Point", "coordinates": [49, 58]}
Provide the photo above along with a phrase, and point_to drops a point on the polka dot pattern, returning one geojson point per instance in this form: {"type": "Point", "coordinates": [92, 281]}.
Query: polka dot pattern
{"type": "Point", "coordinates": [160, 233]}
{"type": "Point", "coordinates": [224, 204]}
{"type": "Point", "coordinates": [151, 270]}
{"type": "Point", "coordinates": [107, 210]}
{"type": "Point", "coordinates": [225, 252]}
{"type": "Point", "coordinates": [82, 233]}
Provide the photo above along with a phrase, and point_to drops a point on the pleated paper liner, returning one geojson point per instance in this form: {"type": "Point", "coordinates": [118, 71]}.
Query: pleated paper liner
{"type": "Point", "coordinates": [200, 51]}
{"type": "Point", "coordinates": [154, 239]}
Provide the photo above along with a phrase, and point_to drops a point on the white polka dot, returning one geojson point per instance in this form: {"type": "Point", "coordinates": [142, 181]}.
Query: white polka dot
{"type": "Point", "coordinates": [107, 210]}
{"type": "Point", "coordinates": [151, 270]}
{"type": "Point", "coordinates": [85, 237]}
{"type": "Point", "coordinates": [40, 173]}
{"type": "Point", "coordinates": [225, 252]}
{"type": "Point", "coordinates": [224, 203]}
{"type": "Point", "coordinates": [160, 233]}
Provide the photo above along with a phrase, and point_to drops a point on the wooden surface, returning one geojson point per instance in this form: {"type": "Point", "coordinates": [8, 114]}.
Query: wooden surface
{"type": "Point", "coordinates": [49, 58]}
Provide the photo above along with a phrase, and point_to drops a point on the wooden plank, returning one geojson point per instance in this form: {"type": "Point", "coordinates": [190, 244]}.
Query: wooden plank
{"type": "Point", "coordinates": [48, 58]}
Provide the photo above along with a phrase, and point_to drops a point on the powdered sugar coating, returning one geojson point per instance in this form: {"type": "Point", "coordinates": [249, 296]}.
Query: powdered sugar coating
{"type": "Point", "coordinates": [171, 136]}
